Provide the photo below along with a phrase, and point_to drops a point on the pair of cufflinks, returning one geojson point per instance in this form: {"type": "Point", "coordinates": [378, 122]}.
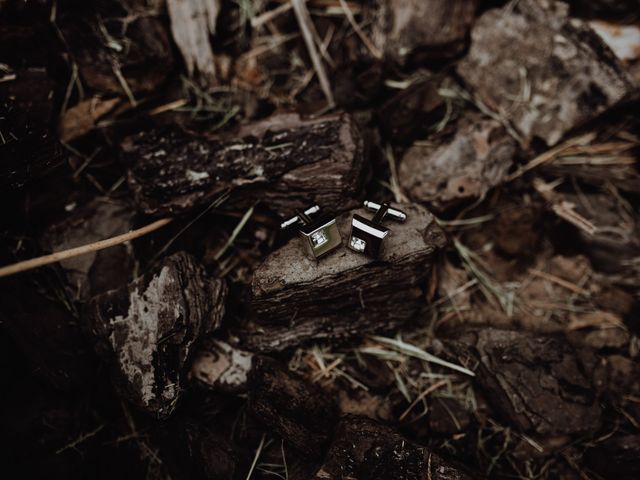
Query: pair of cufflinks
{"type": "Point", "coordinates": [321, 236]}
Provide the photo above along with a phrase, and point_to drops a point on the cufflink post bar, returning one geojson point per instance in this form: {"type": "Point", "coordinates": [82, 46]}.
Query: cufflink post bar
{"type": "Point", "coordinates": [320, 235]}
{"type": "Point", "coordinates": [367, 236]}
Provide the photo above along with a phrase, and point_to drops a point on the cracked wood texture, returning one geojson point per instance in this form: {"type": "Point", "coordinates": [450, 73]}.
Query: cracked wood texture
{"type": "Point", "coordinates": [367, 450]}
{"type": "Point", "coordinates": [148, 329]}
{"type": "Point", "coordinates": [540, 70]}
{"type": "Point", "coordinates": [538, 383]}
{"type": "Point", "coordinates": [296, 299]}
{"type": "Point", "coordinates": [286, 161]}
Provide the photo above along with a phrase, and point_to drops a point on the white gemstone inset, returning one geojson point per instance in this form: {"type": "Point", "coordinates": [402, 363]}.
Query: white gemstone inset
{"type": "Point", "coordinates": [358, 244]}
{"type": "Point", "coordinates": [319, 238]}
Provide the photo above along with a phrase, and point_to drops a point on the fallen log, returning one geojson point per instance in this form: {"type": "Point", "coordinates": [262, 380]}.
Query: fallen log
{"type": "Point", "coordinates": [295, 298]}
{"type": "Point", "coordinates": [537, 383]}
{"type": "Point", "coordinates": [147, 330]}
{"type": "Point", "coordinates": [542, 71]}
{"type": "Point", "coordinates": [284, 160]}
{"type": "Point", "coordinates": [366, 450]}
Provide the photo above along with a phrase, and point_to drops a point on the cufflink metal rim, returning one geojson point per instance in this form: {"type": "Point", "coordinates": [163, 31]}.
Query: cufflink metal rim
{"type": "Point", "coordinates": [367, 236]}
{"type": "Point", "coordinates": [320, 235]}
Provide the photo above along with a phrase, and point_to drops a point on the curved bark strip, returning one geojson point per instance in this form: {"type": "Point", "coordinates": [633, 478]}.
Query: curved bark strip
{"type": "Point", "coordinates": [286, 161]}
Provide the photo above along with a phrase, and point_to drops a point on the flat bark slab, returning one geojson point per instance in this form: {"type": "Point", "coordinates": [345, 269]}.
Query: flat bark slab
{"type": "Point", "coordinates": [147, 329]}
{"type": "Point", "coordinates": [403, 29]}
{"type": "Point", "coordinates": [543, 72]}
{"type": "Point", "coordinates": [367, 450]}
{"type": "Point", "coordinates": [464, 167]}
{"type": "Point", "coordinates": [537, 383]}
{"type": "Point", "coordinates": [345, 294]}
{"type": "Point", "coordinates": [297, 410]}
{"type": "Point", "coordinates": [286, 161]}
{"type": "Point", "coordinates": [96, 272]}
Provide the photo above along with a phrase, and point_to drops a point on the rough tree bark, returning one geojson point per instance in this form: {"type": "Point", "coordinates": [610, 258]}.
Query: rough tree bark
{"type": "Point", "coordinates": [406, 29]}
{"type": "Point", "coordinates": [299, 411]}
{"type": "Point", "coordinates": [284, 160]}
{"type": "Point", "coordinates": [28, 148]}
{"type": "Point", "coordinates": [120, 46]}
{"type": "Point", "coordinates": [296, 298]}
{"type": "Point", "coordinates": [467, 166]}
{"type": "Point", "coordinates": [146, 331]}
{"type": "Point", "coordinates": [537, 383]}
{"type": "Point", "coordinates": [545, 73]}
{"type": "Point", "coordinates": [367, 450]}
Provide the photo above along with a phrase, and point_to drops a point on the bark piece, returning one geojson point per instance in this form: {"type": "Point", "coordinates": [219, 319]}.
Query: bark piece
{"type": "Point", "coordinates": [96, 272]}
{"type": "Point", "coordinates": [84, 117]}
{"type": "Point", "coordinates": [411, 112]}
{"type": "Point", "coordinates": [543, 72]}
{"type": "Point", "coordinates": [286, 161]}
{"type": "Point", "coordinates": [367, 450]}
{"type": "Point", "coordinates": [196, 452]}
{"type": "Point", "coordinates": [120, 47]}
{"type": "Point", "coordinates": [538, 383]}
{"type": "Point", "coordinates": [147, 330]}
{"type": "Point", "coordinates": [299, 411]}
{"type": "Point", "coordinates": [221, 367]}
{"type": "Point", "coordinates": [615, 245]}
{"type": "Point", "coordinates": [404, 29]}
{"type": "Point", "coordinates": [467, 166]}
{"type": "Point", "coordinates": [296, 298]}
{"type": "Point", "coordinates": [192, 24]}
{"type": "Point", "coordinates": [28, 149]}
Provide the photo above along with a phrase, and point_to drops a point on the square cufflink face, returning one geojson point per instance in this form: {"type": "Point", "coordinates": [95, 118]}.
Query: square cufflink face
{"type": "Point", "coordinates": [367, 237]}
{"type": "Point", "coordinates": [321, 236]}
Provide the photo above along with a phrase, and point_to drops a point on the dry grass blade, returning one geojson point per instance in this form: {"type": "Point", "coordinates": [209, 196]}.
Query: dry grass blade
{"type": "Point", "coordinates": [308, 30]}
{"type": "Point", "coordinates": [559, 281]}
{"type": "Point", "coordinates": [413, 351]}
{"type": "Point", "coordinates": [429, 390]}
{"type": "Point", "coordinates": [551, 154]}
{"type": "Point", "coordinates": [367, 43]}
{"type": "Point", "coordinates": [236, 231]}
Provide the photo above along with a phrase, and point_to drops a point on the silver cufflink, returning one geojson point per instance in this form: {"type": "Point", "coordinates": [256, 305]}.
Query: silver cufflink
{"type": "Point", "coordinates": [320, 235]}
{"type": "Point", "coordinates": [367, 236]}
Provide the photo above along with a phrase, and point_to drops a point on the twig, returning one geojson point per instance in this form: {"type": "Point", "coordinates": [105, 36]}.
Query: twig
{"type": "Point", "coordinates": [551, 154]}
{"type": "Point", "coordinates": [307, 28]}
{"type": "Point", "coordinates": [79, 440]}
{"type": "Point", "coordinates": [255, 458]}
{"type": "Point", "coordinates": [235, 233]}
{"type": "Point", "coordinates": [367, 43]}
{"type": "Point", "coordinates": [560, 281]}
{"type": "Point", "coordinates": [83, 249]}
{"type": "Point", "coordinates": [429, 390]}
